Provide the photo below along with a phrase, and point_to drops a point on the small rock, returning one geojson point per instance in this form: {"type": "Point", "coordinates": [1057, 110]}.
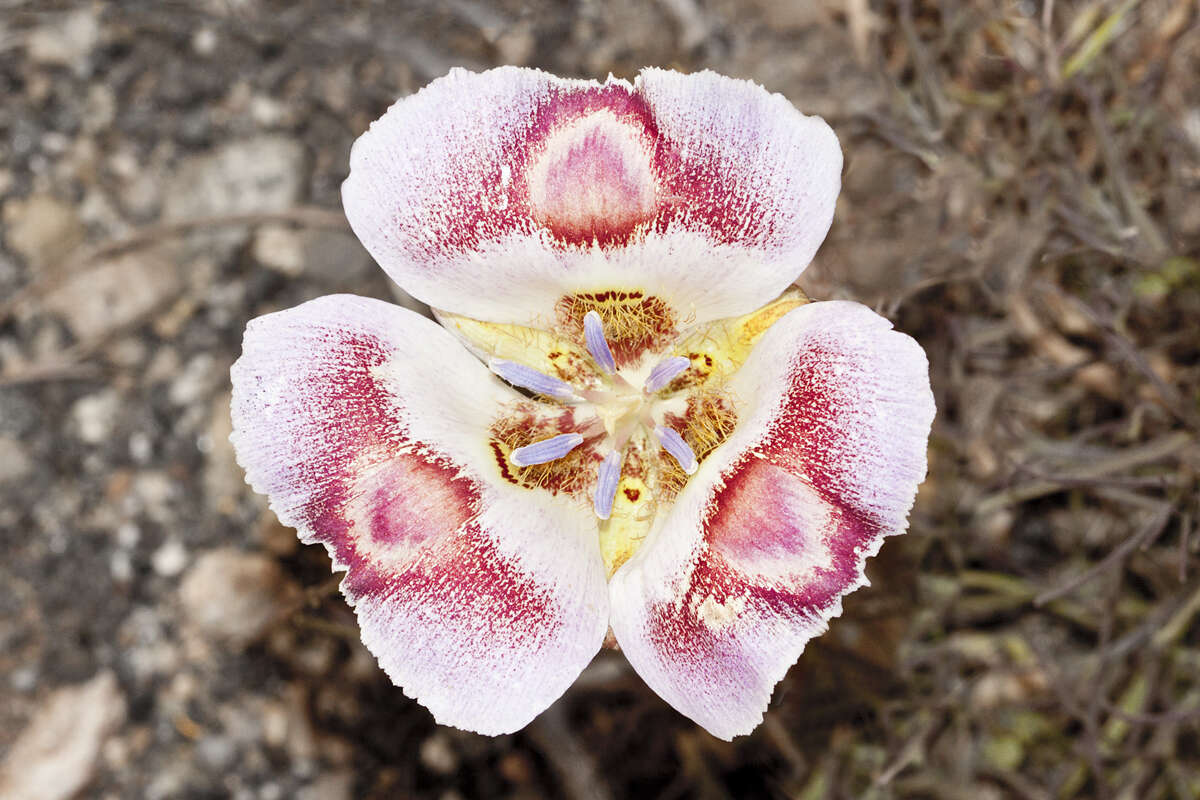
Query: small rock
{"type": "Point", "coordinates": [164, 366]}
{"type": "Point", "coordinates": [204, 41]}
{"type": "Point", "coordinates": [336, 86]}
{"type": "Point", "coordinates": [437, 755]}
{"type": "Point", "coordinates": [41, 229]}
{"type": "Point", "coordinates": [197, 380]}
{"type": "Point", "coordinates": [268, 112]}
{"type": "Point", "coordinates": [56, 754]}
{"type": "Point", "coordinates": [100, 108]}
{"type": "Point", "coordinates": [170, 558]}
{"type": "Point", "coordinates": [168, 783]}
{"type": "Point", "coordinates": [153, 492]}
{"type": "Point", "coordinates": [128, 535]}
{"type": "Point", "coordinates": [120, 566]}
{"type": "Point", "coordinates": [141, 195]}
{"type": "Point", "coordinates": [14, 462]}
{"type": "Point", "coordinates": [279, 248]}
{"type": "Point", "coordinates": [235, 596]}
{"type": "Point", "coordinates": [141, 447]}
{"type": "Point", "coordinates": [517, 44]}
{"type": "Point", "coordinates": [218, 752]}
{"type": "Point", "coordinates": [258, 175]}
{"type": "Point", "coordinates": [96, 415]}
{"type": "Point", "coordinates": [67, 41]}
{"type": "Point", "coordinates": [334, 258]}
{"type": "Point", "coordinates": [97, 300]}
{"type": "Point", "coordinates": [146, 649]}
{"type": "Point", "coordinates": [274, 724]}
{"type": "Point", "coordinates": [24, 679]}
{"type": "Point", "coordinates": [128, 351]}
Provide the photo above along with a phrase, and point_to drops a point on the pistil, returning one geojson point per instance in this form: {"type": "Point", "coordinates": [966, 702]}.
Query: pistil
{"type": "Point", "coordinates": [620, 411]}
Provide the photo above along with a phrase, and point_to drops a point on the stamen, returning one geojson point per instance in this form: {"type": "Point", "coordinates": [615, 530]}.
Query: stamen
{"type": "Point", "coordinates": [597, 345]}
{"type": "Point", "coordinates": [665, 372]}
{"type": "Point", "coordinates": [531, 379]}
{"type": "Point", "coordinates": [674, 444]}
{"type": "Point", "coordinates": [546, 450]}
{"type": "Point", "coordinates": [606, 486]}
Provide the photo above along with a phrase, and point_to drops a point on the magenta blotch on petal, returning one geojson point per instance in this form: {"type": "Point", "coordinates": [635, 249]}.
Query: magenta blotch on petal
{"type": "Point", "coordinates": [490, 194]}
{"type": "Point", "coordinates": [594, 177]}
{"type": "Point", "coordinates": [774, 528]}
{"type": "Point", "coordinates": [483, 606]}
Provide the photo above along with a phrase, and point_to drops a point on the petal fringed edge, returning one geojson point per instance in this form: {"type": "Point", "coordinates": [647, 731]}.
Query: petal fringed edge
{"type": "Point", "coordinates": [493, 195]}
{"type": "Point", "coordinates": [366, 426]}
{"type": "Point", "coordinates": [771, 533]}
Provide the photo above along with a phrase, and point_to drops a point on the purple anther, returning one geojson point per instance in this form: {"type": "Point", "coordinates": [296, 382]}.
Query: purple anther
{"type": "Point", "coordinates": [597, 345]}
{"type": "Point", "coordinates": [665, 372]}
{"type": "Point", "coordinates": [606, 485]}
{"type": "Point", "coordinates": [529, 378]}
{"type": "Point", "coordinates": [674, 444]}
{"type": "Point", "coordinates": [546, 450]}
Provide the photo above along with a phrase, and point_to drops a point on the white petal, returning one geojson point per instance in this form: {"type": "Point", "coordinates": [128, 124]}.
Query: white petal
{"type": "Point", "coordinates": [367, 426]}
{"type": "Point", "coordinates": [493, 195]}
{"type": "Point", "coordinates": [772, 531]}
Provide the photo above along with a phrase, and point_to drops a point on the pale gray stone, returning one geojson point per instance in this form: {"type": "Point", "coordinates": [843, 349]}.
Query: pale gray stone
{"type": "Point", "coordinates": [56, 755]}
{"type": "Point", "coordinates": [234, 596]}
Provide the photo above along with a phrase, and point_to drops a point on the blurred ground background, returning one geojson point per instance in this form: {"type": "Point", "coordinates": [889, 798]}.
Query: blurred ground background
{"type": "Point", "coordinates": [1020, 195]}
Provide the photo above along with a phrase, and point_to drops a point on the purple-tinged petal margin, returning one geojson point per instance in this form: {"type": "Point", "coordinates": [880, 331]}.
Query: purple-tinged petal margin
{"type": "Point", "coordinates": [481, 600]}
{"type": "Point", "coordinates": [772, 531]}
{"type": "Point", "coordinates": [492, 195]}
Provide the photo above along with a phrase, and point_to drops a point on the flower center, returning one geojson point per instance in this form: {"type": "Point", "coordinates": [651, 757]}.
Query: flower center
{"type": "Point", "coordinates": [619, 411]}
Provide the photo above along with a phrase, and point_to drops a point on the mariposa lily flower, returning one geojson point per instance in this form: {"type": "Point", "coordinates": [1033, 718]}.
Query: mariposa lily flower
{"type": "Point", "coordinates": [648, 437]}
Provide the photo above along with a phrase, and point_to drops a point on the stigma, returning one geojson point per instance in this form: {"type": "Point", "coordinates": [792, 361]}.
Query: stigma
{"type": "Point", "coordinates": [615, 409]}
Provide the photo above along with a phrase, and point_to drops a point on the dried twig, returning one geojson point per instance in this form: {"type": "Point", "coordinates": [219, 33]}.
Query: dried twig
{"type": "Point", "coordinates": [1144, 536]}
{"type": "Point", "coordinates": [1148, 453]}
{"type": "Point", "coordinates": [1171, 397]}
{"type": "Point", "coordinates": [581, 780]}
{"type": "Point", "coordinates": [311, 216]}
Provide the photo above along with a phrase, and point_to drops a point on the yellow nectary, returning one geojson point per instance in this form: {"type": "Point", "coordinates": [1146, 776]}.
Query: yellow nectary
{"type": "Point", "coordinates": [618, 412]}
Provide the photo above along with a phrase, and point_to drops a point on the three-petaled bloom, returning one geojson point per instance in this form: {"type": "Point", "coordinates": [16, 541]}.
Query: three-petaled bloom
{"type": "Point", "coordinates": [698, 461]}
